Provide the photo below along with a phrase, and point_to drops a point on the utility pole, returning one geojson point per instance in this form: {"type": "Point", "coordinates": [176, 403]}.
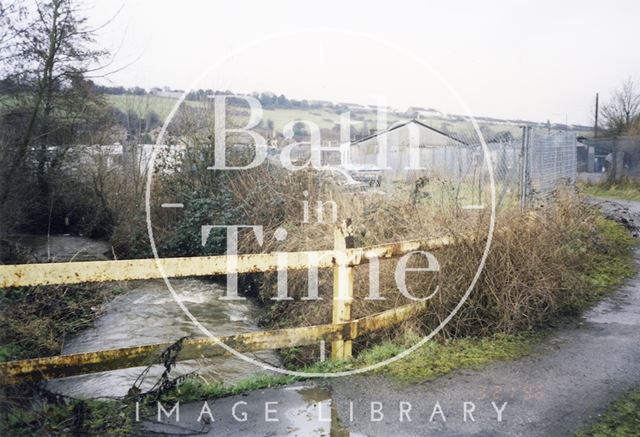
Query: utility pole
{"type": "Point", "coordinates": [595, 125]}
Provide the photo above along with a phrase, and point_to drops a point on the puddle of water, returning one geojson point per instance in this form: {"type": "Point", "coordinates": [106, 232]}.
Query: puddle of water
{"type": "Point", "coordinates": [301, 410]}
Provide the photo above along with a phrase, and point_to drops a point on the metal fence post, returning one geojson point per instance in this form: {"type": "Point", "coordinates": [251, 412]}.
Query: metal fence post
{"type": "Point", "coordinates": [342, 287]}
{"type": "Point", "coordinates": [524, 165]}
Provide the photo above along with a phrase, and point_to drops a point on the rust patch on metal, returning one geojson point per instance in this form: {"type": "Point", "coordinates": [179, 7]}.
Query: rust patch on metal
{"type": "Point", "coordinates": [21, 275]}
{"type": "Point", "coordinates": [38, 369]}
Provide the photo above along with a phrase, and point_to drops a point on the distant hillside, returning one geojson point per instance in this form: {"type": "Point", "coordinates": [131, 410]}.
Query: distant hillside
{"type": "Point", "coordinates": [277, 113]}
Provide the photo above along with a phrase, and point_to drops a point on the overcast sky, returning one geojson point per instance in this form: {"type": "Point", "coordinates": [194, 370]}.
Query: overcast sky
{"type": "Point", "coordinates": [534, 60]}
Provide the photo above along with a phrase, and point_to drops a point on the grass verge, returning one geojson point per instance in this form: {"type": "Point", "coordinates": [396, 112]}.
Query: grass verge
{"type": "Point", "coordinates": [435, 359]}
{"type": "Point", "coordinates": [622, 419]}
{"type": "Point", "coordinates": [607, 269]}
{"type": "Point", "coordinates": [626, 189]}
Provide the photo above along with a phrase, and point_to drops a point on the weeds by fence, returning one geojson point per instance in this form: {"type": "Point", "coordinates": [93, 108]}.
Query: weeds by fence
{"type": "Point", "coordinates": [524, 167]}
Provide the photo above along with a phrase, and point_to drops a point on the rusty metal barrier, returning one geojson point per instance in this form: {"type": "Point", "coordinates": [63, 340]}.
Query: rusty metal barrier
{"type": "Point", "coordinates": [22, 275]}
{"type": "Point", "coordinates": [340, 332]}
{"type": "Point", "coordinates": [37, 369]}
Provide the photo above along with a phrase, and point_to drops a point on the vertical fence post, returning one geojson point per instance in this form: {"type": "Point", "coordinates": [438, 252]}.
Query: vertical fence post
{"type": "Point", "coordinates": [524, 166]}
{"type": "Point", "coordinates": [342, 287]}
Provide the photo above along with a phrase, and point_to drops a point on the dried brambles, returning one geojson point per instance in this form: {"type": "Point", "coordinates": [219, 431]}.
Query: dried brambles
{"type": "Point", "coordinates": [544, 262]}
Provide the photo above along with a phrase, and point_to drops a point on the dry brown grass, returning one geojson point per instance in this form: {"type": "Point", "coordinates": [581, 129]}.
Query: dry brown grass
{"type": "Point", "coordinates": [34, 321]}
{"type": "Point", "coordinates": [536, 271]}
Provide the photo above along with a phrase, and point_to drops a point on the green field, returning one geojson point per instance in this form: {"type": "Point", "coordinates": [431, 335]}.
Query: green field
{"type": "Point", "coordinates": [325, 119]}
{"type": "Point", "coordinates": [280, 117]}
{"type": "Point", "coordinates": [142, 105]}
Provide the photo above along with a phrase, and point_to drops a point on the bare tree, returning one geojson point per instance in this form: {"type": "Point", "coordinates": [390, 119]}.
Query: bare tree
{"type": "Point", "coordinates": [11, 14]}
{"type": "Point", "coordinates": [57, 52]}
{"type": "Point", "coordinates": [53, 107]}
{"type": "Point", "coordinates": [54, 51]}
{"type": "Point", "coordinates": [623, 110]}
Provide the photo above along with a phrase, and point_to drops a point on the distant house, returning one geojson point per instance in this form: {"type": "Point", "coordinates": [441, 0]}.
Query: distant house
{"type": "Point", "coordinates": [351, 106]}
{"type": "Point", "coordinates": [320, 103]}
{"type": "Point", "coordinates": [167, 93]}
{"type": "Point", "coordinates": [136, 157]}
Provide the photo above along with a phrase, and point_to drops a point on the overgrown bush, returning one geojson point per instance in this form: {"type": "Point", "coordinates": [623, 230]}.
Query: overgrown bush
{"type": "Point", "coordinates": [544, 263]}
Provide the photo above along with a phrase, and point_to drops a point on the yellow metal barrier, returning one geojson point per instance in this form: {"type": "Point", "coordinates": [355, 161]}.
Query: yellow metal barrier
{"type": "Point", "coordinates": [37, 369]}
{"type": "Point", "coordinates": [340, 332]}
{"type": "Point", "coordinates": [21, 275]}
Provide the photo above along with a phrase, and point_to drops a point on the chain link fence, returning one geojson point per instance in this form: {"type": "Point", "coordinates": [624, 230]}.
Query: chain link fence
{"type": "Point", "coordinates": [551, 162]}
{"type": "Point", "coordinates": [528, 164]}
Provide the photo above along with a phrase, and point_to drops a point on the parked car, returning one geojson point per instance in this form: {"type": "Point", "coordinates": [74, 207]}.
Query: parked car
{"type": "Point", "coordinates": [367, 174]}
{"type": "Point", "coordinates": [341, 177]}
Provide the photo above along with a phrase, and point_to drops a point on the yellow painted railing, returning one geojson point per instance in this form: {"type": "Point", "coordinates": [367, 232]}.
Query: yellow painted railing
{"type": "Point", "coordinates": [340, 332]}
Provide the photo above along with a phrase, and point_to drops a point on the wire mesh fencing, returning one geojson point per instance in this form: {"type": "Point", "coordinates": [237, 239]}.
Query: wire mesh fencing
{"type": "Point", "coordinates": [551, 161]}
{"type": "Point", "coordinates": [527, 163]}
